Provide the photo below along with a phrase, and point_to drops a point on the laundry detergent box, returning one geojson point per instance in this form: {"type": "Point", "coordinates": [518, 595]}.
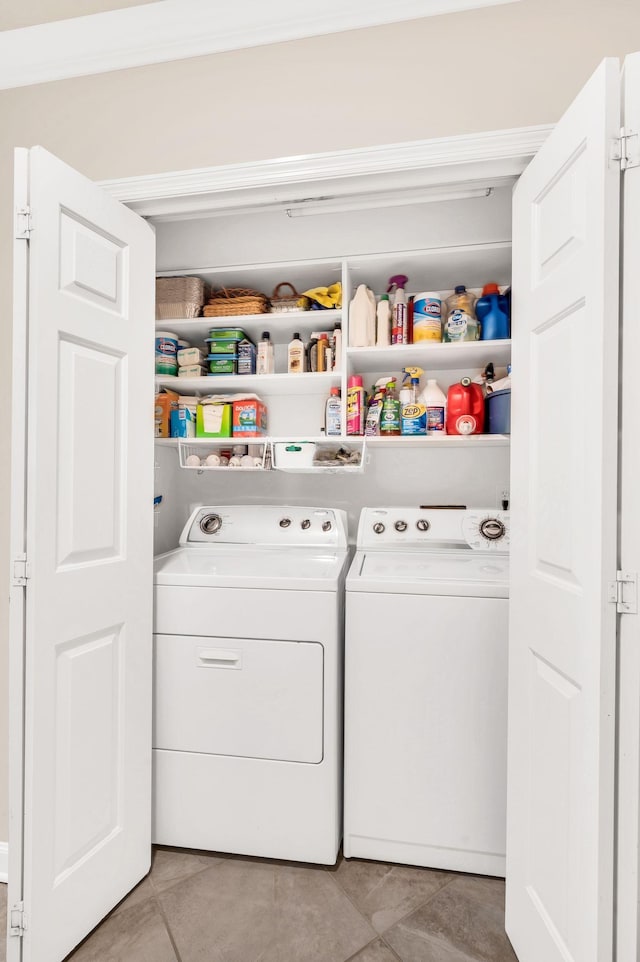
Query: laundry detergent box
{"type": "Point", "coordinates": [213, 418]}
{"type": "Point", "coordinates": [165, 402]}
{"type": "Point", "coordinates": [183, 424]}
{"type": "Point", "coordinates": [249, 417]}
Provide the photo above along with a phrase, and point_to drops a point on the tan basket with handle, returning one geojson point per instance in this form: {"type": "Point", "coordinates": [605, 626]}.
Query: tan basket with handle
{"type": "Point", "coordinates": [282, 303]}
{"type": "Point", "coordinates": [179, 297]}
{"type": "Point", "coordinates": [232, 301]}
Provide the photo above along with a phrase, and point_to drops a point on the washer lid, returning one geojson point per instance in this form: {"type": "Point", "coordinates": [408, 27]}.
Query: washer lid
{"type": "Point", "coordinates": [254, 567]}
{"type": "Point", "coordinates": [464, 573]}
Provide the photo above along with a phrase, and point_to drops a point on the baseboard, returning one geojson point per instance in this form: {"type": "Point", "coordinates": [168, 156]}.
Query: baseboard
{"type": "Point", "coordinates": [4, 862]}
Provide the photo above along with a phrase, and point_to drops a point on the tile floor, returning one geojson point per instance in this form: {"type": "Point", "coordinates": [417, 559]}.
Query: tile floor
{"type": "Point", "coordinates": [202, 907]}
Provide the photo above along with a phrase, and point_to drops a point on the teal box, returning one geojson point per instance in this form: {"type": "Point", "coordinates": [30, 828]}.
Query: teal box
{"type": "Point", "coordinates": [183, 424]}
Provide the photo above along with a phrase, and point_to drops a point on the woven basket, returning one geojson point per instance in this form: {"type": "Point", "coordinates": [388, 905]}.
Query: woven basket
{"type": "Point", "coordinates": [232, 301]}
{"type": "Point", "coordinates": [179, 297]}
{"type": "Point", "coordinates": [282, 303]}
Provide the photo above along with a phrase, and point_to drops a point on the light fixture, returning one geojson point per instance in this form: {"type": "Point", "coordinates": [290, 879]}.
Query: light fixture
{"type": "Point", "coordinates": [429, 195]}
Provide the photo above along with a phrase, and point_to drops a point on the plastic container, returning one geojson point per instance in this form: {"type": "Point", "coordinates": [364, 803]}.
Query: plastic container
{"type": "Point", "coordinates": [435, 401]}
{"type": "Point", "coordinates": [383, 322]}
{"type": "Point", "coordinates": [355, 405]}
{"type": "Point", "coordinates": [362, 318]}
{"type": "Point", "coordinates": [399, 309]}
{"type": "Point", "coordinates": [390, 421]}
{"type": "Point", "coordinates": [226, 333]}
{"type": "Point", "coordinates": [465, 408]}
{"type": "Point", "coordinates": [167, 344]}
{"type": "Point", "coordinates": [295, 354]}
{"type": "Point", "coordinates": [461, 323]}
{"type": "Point", "coordinates": [497, 407]}
{"type": "Point", "coordinates": [223, 364]}
{"type": "Point", "coordinates": [333, 414]}
{"type": "Point", "coordinates": [427, 317]}
{"type": "Point", "coordinates": [265, 363]}
{"type": "Point", "coordinates": [492, 310]}
{"type": "Point", "coordinates": [166, 366]}
{"type": "Point", "coordinates": [223, 345]}
{"type": "Point", "coordinates": [293, 454]}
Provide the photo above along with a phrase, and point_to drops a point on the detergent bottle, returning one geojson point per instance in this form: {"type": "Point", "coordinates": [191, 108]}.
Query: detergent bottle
{"type": "Point", "coordinates": [461, 323]}
{"type": "Point", "coordinates": [383, 321]}
{"type": "Point", "coordinates": [435, 402]}
{"type": "Point", "coordinates": [492, 310]}
{"type": "Point", "coordinates": [362, 318]}
{"type": "Point", "coordinates": [465, 408]}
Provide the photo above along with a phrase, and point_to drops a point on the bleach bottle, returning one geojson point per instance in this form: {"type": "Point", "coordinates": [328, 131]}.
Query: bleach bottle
{"type": "Point", "coordinates": [492, 311]}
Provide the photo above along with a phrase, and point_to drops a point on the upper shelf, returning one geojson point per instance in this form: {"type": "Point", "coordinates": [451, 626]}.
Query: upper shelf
{"type": "Point", "coordinates": [281, 326]}
{"type": "Point", "coordinates": [429, 355]}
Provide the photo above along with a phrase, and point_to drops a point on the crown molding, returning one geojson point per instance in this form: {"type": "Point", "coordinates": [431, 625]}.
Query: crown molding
{"type": "Point", "coordinates": [179, 29]}
{"type": "Point", "coordinates": [496, 154]}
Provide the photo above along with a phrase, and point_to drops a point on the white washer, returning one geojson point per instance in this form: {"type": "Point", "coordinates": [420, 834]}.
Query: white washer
{"type": "Point", "coordinates": [426, 689]}
{"type": "Point", "coordinates": [248, 683]}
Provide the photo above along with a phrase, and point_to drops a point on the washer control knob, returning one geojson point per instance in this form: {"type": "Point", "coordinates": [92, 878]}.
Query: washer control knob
{"type": "Point", "coordinates": [305, 524]}
{"type": "Point", "coordinates": [285, 522]}
{"type": "Point", "coordinates": [326, 526]}
{"type": "Point", "coordinates": [492, 529]}
{"type": "Point", "coordinates": [400, 526]}
{"type": "Point", "coordinates": [422, 524]}
{"type": "Point", "coordinates": [378, 527]}
{"type": "Point", "coordinates": [210, 523]}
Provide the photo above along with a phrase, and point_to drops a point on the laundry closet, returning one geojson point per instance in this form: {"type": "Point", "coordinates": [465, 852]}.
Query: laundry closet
{"type": "Point", "coordinates": [78, 843]}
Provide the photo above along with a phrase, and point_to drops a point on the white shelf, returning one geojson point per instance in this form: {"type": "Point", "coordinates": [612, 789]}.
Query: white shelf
{"type": "Point", "coordinates": [431, 356]}
{"type": "Point", "coordinates": [264, 385]}
{"type": "Point", "coordinates": [446, 441]}
{"type": "Point", "coordinates": [281, 326]}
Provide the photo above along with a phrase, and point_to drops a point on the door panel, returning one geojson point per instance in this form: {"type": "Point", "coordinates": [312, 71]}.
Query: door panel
{"type": "Point", "coordinates": [89, 527]}
{"type": "Point", "coordinates": [563, 545]}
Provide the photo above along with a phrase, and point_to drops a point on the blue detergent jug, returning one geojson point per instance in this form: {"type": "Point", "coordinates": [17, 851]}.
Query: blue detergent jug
{"type": "Point", "coordinates": [492, 310]}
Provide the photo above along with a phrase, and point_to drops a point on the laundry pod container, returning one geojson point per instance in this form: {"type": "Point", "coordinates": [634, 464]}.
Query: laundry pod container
{"type": "Point", "coordinates": [498, 412]}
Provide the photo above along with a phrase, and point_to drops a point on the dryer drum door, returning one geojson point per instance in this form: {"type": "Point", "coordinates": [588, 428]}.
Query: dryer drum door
{"type": "Point", "coordinates": [241, 697]}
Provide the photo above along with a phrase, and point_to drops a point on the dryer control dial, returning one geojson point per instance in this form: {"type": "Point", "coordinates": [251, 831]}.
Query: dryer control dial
{"type": "Point", "coordinates": [284, 522]}
{"type": "Point", "coordinates": [210, 523]}
{"type": "Point", "coordinates": [492, 529]}
{"type": "Point", "coordinates": [326, 526]}
{"type": "Point", "coordinates": [378, 527]}
{"type": "Point", "coordinates": [305, 524]}
{"type": "Point", "coordinates": [422, 524]}
{"type": "Point", "coordinates": [400, 526]}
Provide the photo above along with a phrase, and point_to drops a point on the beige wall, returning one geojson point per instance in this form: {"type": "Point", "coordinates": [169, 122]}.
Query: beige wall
{"type": "Point", "coordinates": [506, 66]}
{"type": "Point", "coordinates": [13, 15]}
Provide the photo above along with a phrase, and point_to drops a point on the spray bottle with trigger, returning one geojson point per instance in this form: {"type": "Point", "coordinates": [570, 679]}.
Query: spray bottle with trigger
{"type": "Point", "coordinates": [399, 310]}
{"type": "Point", "coordinates": [413, 413]}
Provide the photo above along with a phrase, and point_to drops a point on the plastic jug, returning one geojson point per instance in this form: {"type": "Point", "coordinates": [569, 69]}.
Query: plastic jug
{"type": "Point", "coordinates": [465, 408]}
{"type": "Point", "coordinates": [492, 310]}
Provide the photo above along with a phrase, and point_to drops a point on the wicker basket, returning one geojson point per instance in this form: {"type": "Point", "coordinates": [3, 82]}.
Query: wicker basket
{"type": "Point", "coordinates": [282, 303]}
{"type": "Point", "coordinates": [233, 301]}
{"type": "Point", "coordinates": [179, 297]}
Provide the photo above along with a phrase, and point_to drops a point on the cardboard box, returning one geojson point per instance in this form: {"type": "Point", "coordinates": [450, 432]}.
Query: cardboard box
{"type": "Point", "coordinates": [249, 419]}
{"type": "Point", "coordinates": [189, 356]}
{"type": "Point", "coordinates": [246, 357]}
{"type": "Point", "coordinates": [165, 402]}
{"type": "Point", "coordinates": [193, 370]}
{"type": "Point", "coordinates": [213, 420]}
{"type": "Point", "coordinates": [183, 424]}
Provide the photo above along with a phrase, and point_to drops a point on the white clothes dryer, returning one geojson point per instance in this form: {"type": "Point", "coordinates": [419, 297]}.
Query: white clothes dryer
{"type": "Point", "coordinates": [247, 732]}
{"type": "Point", "coordinates": [426, 689]}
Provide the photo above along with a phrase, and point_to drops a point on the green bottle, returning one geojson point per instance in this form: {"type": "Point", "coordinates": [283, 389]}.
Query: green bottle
{"type": "Point", "coordinates": [390, 419]}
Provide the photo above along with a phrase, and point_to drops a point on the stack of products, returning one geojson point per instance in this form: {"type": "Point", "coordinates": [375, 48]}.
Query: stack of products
{"type": "Point", "coordinates": [174, 415]}
{"type": "Point", "coordinates": [234, 415]}
{"type": "Point", "coordinates": [230, 352]}
{"type": "Point", "coordinates": [191, 362]}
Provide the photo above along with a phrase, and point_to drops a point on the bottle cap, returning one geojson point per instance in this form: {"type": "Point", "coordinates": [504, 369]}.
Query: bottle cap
{"type": "Point", "coordinates": [490, 289]}
{"type": "Point", "coordinates": [460, 289]}
{"type": "Point", "coordinates": [385, 297]}
{"type": "Point", "coordinates": [296, 336]}
{"type": "Point", "coordinates": [335, 391]}
{"type": "Point", "coordinates": [355, 381]}
{"type": "Point", "coordinates": [265, 335]}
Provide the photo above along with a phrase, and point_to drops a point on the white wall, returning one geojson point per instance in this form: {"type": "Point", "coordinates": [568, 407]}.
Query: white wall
{"type": "Point", "coordinates": [506, 66]}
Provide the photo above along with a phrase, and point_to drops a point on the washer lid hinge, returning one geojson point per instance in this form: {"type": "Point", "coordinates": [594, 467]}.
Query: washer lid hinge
{"type": "Point", "coordinates": [623, 592]}
{"type": "Point", "coordinates": [626, 148]}
{"type": "Point", "coordinates": [17, 920]}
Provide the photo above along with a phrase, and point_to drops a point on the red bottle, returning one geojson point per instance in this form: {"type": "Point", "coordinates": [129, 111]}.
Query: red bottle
{"type": "Point", "coordinates": [465, 408]}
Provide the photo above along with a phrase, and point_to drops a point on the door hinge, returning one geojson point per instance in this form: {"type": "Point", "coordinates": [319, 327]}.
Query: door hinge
{"type": "Point", "coordinates": [24, 223]}
{"type": "Point", "coordinates": [17, 920]}
{"type": "Point", "coordinates": [623, 592]}
{"type": "Point", "coordinates": [626, 149]}
{"type": "Point", "coordinates": [21, 572]}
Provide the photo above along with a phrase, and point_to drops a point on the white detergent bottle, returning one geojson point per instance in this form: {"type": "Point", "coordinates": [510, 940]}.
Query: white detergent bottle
{"type": "Point", "coordinates": [362, 315]}
{"type": "Point", "coordinates": [383, 322]}
{"type": "Point", "coordinates": [435, 401]}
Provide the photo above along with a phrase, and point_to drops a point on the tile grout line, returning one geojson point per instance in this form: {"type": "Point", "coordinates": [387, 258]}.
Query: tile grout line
{"type": "Point", "coordinates": [168, 928]}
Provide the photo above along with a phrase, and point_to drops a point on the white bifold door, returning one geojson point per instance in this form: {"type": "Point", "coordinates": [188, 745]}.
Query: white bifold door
{"type": "Point", "coordinates": [562, 647]}
{"type": "Point", "coordinates": [81, 598]}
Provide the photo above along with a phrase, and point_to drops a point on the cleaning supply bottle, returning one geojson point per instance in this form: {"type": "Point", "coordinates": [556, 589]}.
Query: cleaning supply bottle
{"type": "Point", "coordinates": [390, 417]}
{"type": "Point", "coordinates": [383, 322]}
{"type": "Point", "coordinates": [413, 413]}
{"type": "Point", "coordinates": [336, 347]}
{"type": "Point", "coordinates": [399, 309]}
{"type": "Point", "coordinates": [362, 318]}
{"type": "Point", "coordinates": [461, 323]}
{"type": "Point", "coordinates": [465, 408]}
{"type": "Point", "coordinates": [296, 355]}
{"type": "Point", "coordinates": [333, 414]}
{"type": "Point", "coordinates": [435, 402]}
{"type": "Point", "coordinates": [355, 405]}
{"type": "Point", "coordinates": [492, 310]}
{"type": "Point", "coordinates": [374, 411]}
{"type": "Point", "coordinates": [265, 360]}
